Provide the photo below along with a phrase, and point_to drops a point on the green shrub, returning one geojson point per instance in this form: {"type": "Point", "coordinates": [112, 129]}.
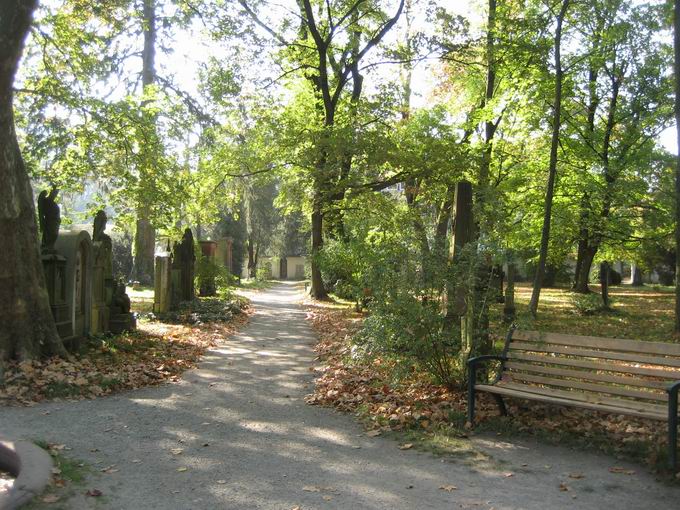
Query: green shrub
{"type": "Point", "coordinates": [587, 304]}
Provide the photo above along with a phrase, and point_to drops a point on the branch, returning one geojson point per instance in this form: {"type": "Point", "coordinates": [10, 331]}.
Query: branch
{"type": "Point", "coordinates": [262, 24]}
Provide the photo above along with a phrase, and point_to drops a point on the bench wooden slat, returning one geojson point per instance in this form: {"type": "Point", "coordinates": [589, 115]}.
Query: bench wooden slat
{"type": "Point", "coordinates": [508, 392]}
{"type": "Point", "coordinates": [597, 388]}
{"type": "Point", "coordinates": [616, 344]}
{"type": "Point", "coordinates": [589, 353]}
{"type": "Point", "coordinates": [587, 375]}
{"type": "Point", "coordinates": [579, 396]}
{"type": "Point", "coordinates": [609, 367]}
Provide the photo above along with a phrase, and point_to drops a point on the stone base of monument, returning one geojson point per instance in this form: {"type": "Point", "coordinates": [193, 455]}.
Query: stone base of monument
{"type": "Point", "coordinates": [31, 468]}
{"type": "Point", "coordinates": [122, 322]}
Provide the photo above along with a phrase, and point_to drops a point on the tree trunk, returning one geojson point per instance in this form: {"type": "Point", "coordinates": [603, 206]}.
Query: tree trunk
{"type": "Point", "coordinates": [552, 168]}
{"type": "Point", "coordinates": [509, 305]}
{"type": "Point", "coordinates": [604, 283]}
{"type": "Point", "coordinates": [252, 266]}
{"type": "Point", "coordinates": [676, 82]}
{"type": "Point", "coordinates": [635, 276]}
{"type": "Point", "coordinates": [27, 327]}
{"type": "Point", "coordinates": [583, 276]}
{"type": "Point", "coordinates": [145, 234]}
{"type": "Point", "coordinates": [318, 291]}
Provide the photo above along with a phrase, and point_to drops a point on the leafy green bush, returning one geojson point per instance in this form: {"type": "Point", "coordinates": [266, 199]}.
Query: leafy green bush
{"type": "Point", "coordinates": [587, 304]}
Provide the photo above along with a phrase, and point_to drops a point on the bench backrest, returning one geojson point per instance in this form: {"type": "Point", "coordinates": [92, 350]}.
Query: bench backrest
{"type": "Point", "coordinates": [625, 369]}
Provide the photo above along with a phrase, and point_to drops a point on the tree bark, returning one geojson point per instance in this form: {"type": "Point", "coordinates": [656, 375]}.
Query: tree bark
{"type": "Point", "coordinates": [604, 282]}
{"type": "Point", "coordinates": [317, 291]}
{"type": "Point", "coordinates": [676, 83]}
{"type": "Point", "coordinates": [27, 327]}
{"type": "Point", "coordinates": [509, 305]}
{"type": "Point", "coordinates": [583, 276]}
{"type": "Point", "coordinates": [552, 168]}
{"type": "Point", "coordinates": [145, 233]}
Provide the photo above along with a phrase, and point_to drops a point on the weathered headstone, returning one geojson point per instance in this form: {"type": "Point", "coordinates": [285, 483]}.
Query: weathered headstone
{"type": "Point", "coordinates": [121, 318]}
{"type": "Point", "coordinates": [76, 247]}
{"type": "Point", "coordinates": [162, 297]}
{"type": "Point", "coordinates": [183, 260]}
{"type": "Point", "coordinates": [102, 275]}
{"type": "Point", "coordinates": [207, 280]}
{"type": "Point", "coordinates": [224, 254]}
{"type": "Point", "coordinates": [54, 264]}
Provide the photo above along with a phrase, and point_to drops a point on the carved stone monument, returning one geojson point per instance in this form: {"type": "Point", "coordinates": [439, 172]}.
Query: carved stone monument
{"type": "Point", "coordinates": [54, 264]}
{"type": "Point", "coordinates": [77, 249]}
{"type": "Point", "coordinates": [121, 318]}
{"type": "Point", "coordinates": [162, 297]}
{"type": "Point", "coordinates": [102, 275]}
{"type": "Point", "coordinates": [183, 260]}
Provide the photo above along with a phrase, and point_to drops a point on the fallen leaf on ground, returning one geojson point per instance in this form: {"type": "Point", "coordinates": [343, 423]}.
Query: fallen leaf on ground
{"type": "Point", "coordinates": [621, 470]}
{"type": "Point", "coordinates": [406, 446]}
{"type": "Point", "coordinates": [508, 475]}
{"type": "Point", "coordinates": [327, 498]}
{"type": "Point", "coordinates": [373, 433]}
{"type": "Point", "coordinates": [176, 451]}
{"type": "Point", "coordinates": [183, 469]}
{"type": "Point", "coordinates": [448, 488]}
{"type": "Point", "coordinates": [563, 487]}
{"type": "Point", "coordinates": [311, 488]}
{"type": "Point", "coordinates": [50, 498]}
{"type": "Point", "coordinates": [576, 476]}
{"type": "Point", "coordinates": [95, 493]}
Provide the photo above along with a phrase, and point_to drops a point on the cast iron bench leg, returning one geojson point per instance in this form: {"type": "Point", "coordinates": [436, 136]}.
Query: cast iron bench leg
{"type": "Point", "coordinates": [673, 432]}
{"type": "Point", "coordinates": [501, 405]}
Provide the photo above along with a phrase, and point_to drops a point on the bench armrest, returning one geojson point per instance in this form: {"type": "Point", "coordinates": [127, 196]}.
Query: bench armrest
{"type": "Point", "coordinates": [673, 389]}
{"type": "Point", "coordinates": [473, 362]}
{"type": "Point", "coordinates": [479, 359]}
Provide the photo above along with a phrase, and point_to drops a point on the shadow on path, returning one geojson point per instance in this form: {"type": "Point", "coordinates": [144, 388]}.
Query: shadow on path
{"type": "Point", "coordinates": [248, 440]}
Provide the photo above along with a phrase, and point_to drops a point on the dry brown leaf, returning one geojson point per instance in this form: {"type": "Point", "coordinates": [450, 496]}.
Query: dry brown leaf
{"type": "Point", "coordinates": [406, 446]}
{"type": "Point", "coordinates": [311, 488]}
{"type": "Point", "coordinates": [563, 487]}
{"type": "Point", "coordinates": [95, 493]}
{"type": "Point", "coordinates": [621, 470]}
{"type": "Point", "coordinates": [576, 476]}
{"type": "Point", "coordinates": [448, 488]}
{"type": "Point", "coordinates": [373, 433]}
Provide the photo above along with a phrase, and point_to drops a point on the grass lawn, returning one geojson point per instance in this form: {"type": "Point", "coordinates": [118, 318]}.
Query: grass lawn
{"type": "Point", "coordinates": [638, 313]}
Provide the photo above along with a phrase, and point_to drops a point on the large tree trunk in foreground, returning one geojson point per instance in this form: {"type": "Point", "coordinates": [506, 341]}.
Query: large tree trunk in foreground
{"type": "Point", "coordinates": [27, 328]}
{"type": "Point", "coordinates": [676, 82]}
{"type": "Point", "coordinates": [552, 167]}
{"type": "Point", "coordinates": [145, 234]}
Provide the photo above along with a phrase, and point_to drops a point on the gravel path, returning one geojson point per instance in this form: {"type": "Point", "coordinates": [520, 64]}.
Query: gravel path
{"type": "Point", "coordinates": [248, 440]}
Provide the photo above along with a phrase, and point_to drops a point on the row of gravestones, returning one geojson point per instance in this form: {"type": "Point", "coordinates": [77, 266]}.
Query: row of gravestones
{"type": "Point", "coordinates": [174, 271]}
{"type": "Point", "coordinates": [84, 296]}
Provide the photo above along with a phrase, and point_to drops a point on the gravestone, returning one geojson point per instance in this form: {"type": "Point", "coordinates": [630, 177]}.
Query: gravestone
{"type": "Point", "coordinates": [102, 276]}
{"type": "Point", "coordinates": [76, 247]}
{"type": "Point", "coordinates": [54, 264]}
{"type": "Point", "coordinates": [224, 253]}
{"type": "Point", "coordinates": [121, 318]}
{"type": "Point", "coordinates": [162, 296]}
{"type": "Point", "coordinates": [207, 280]}
{"type": "Point", "coordinates": [183, 260]}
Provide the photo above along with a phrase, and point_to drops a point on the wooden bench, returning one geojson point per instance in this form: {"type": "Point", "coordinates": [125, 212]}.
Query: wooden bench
{"type": "Point", "coordinates": [629, 377]}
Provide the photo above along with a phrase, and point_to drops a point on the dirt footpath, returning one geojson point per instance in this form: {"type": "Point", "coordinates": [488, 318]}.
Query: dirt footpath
{"type": "Point", "coordinates": [237, 434]}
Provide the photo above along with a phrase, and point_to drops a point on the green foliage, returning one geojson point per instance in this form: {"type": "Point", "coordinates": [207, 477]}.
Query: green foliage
{"type": "Point", "coordinates": [588, 304]}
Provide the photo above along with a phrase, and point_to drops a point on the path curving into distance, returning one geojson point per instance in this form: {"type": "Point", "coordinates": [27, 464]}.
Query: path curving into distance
{"type": "Point", "coordinates": [249, 441]}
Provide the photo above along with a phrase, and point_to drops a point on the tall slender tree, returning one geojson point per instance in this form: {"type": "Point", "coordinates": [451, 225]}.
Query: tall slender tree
{"type": "Point", "coordinates": [552, 166]}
